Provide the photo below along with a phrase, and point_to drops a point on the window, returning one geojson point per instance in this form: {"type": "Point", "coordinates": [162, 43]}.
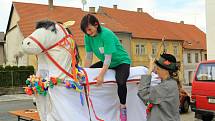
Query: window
{"type": "Point", "coordinates": [189, 58]}
{"type": "Point", "coordinates": [205, 57]}
{"type": "Point", "coordinates": [154, 49]}
{"type": "Point", "coordinates": [196, 57]}
{"type": "Point", "coordinates": [206, 72]}
{"type": "Point", "coordinates": [137, 49]}
{"type": "Point", "coordinates": [165, 46]}
{"type": "Point", "coordinates": [175, 49]}
{"type": "Point", "coordinates": [140, 49]}
{"type": "Point", "coordinates": [190, 76]}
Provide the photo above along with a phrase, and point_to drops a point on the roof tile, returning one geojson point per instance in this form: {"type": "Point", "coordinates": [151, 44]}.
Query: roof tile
{"type": "Point", "coordinates": [140, 24]}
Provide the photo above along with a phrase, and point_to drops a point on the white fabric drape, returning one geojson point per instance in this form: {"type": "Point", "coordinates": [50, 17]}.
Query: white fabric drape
{"type": "Point", "coordinates": [62, 104]}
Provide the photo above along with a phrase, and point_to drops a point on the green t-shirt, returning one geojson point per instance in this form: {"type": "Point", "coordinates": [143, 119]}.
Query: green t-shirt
{"type": "Point", "coordinates": [106, 42]}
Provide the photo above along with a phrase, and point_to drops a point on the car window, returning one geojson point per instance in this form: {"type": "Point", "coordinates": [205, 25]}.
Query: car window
{"type": "Point", "coordinates": [206, 72]}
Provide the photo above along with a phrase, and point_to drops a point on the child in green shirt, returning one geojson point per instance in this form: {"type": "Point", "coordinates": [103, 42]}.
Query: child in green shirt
{"type": "Point", "coordinates": [106, 46]}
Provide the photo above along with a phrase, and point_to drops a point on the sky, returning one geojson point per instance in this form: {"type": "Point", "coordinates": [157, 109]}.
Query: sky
{"type": "Point", "coordinates": [189, 11]}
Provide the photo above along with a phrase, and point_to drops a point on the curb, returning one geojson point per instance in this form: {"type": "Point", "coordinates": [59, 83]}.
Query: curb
{"type": "Point", "coordinates": [6, 98]}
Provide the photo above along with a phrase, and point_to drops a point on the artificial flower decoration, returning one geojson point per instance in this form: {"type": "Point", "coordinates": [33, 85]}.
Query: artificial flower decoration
{"type": "Point", "coordinates": [38, 85]}
{"type": "Point", "coordinates": [28, 91]}
{"type": "Point", "coordinates": [149, 107]}
{"type": "Point", "coordinates": [166, 62]}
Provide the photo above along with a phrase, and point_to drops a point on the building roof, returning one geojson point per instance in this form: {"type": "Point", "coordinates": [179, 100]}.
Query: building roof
{"type": "Point", "coordinates": [31, 13]}
{"type": "Point", "coordinates": [111, 23]}
{"type": "Point", "coordinates": [193, 37]}
{"type": "Point", "coordinates": [142, 25]}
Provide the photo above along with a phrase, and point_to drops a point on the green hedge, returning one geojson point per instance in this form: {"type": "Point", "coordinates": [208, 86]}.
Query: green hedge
{"type": "Point", "coordinates": [14, 76]}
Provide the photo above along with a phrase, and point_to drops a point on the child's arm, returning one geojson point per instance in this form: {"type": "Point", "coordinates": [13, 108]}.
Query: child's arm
{"type": "Point", "coordinates": [154, 94]}
{"type": "Point", "coordinates": [144, 88]}
{"type": "Point", "coordinates": [145, 81]}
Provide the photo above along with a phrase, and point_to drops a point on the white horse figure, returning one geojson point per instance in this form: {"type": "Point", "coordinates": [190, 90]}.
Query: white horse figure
{"type": "Point", "coordinates": [50, 43]}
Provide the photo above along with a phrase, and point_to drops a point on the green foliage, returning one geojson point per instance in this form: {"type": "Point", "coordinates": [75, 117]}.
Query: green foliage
{"type": "Point", "coordinates": [1, 68]}
{"type": "Point", "coordinates": [7, 68]}
{"type": "Point", "coordinates": [29, 67]}
{"type": "Point", "coordinates": [14, 76]}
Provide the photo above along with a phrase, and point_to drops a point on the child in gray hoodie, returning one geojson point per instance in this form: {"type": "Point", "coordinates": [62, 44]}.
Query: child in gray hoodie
{"type": "Point", "coordinates": [162, 100]}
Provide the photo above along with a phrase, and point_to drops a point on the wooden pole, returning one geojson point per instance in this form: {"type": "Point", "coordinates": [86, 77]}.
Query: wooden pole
{"type": "Point", "coordinates": [160, 47]}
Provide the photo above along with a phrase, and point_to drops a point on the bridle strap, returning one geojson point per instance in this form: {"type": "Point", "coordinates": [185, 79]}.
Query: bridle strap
{"type": "Point", "coordinates": [87, 87]}
{"type": "Point", "coordinates": [38, 43]}
{"type": "Point", "coordinates": [56, 44]}
{"type": "Point", "coordinates": [50, 57]}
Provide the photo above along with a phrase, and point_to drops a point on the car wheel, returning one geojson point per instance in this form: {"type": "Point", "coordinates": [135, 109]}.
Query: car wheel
{"type": "Point", "coordinates": [185, 106]}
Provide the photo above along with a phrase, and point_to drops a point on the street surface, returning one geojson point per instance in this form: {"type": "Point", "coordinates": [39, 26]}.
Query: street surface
{"type": "Point", "coordinates": [18, 102]}
{"type": "Point", "coordinates": [27, 104]}
{"type": "Point", "coordinates": [13, 105]}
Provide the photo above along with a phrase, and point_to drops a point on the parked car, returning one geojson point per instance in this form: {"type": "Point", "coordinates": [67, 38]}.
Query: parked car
{"type": "Point", "coordinates": [203, 91]}
{"type": "Point", "coordinates": [184, 101]}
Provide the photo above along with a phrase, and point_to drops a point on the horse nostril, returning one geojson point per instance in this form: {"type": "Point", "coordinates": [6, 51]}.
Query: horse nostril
{"type": "Point", "coordinates": [28, 43]}
{"type": "Point", "coordinates": [22, 42]}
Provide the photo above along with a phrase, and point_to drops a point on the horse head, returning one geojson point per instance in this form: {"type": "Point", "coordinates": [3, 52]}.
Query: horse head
{"type": "Point", "coordinates": [47, 33]}
{"type": "Point", "coordinates": [52, 43]}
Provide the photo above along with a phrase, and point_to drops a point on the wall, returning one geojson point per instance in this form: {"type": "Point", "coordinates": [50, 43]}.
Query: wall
{"type": "Point", "coordinates": [126, 41]}
{"type": "Point", "coordinates": [210, 28]}
{"type": "Point", "coordinates": [1, 53]}
{"type": "Point", "coordinates": [143, 60]}
{"type": "Point", "coordinates": [191, 67]}
{"type": "Point", "coordinates": [14, 38]}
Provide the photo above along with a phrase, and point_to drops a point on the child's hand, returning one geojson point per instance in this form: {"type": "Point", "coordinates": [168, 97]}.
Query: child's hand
{"type": "Point", "coordinates": [99, 79]}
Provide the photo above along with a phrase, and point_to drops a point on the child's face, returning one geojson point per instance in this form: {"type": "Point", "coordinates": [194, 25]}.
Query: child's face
{"type": "Point", "coordinates": [91, 30]}
{"type": "Point", "coordinates": [161, 72]}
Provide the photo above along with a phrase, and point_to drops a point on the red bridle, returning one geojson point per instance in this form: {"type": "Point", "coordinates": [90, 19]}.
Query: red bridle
{"type": "Point", "coordinates": [56, 44]}
{"type": "Point", "coordinates": [72, 51]}
{"type": "Point", "coordinates": [61, 43]}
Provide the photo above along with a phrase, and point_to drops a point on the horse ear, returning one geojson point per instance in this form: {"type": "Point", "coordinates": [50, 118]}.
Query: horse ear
{"type": "Point", "coordinates": [68, 24]}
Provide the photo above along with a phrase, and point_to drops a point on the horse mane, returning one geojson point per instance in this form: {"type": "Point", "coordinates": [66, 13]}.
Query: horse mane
{"type": "Point", "coordinates": [47, 24]}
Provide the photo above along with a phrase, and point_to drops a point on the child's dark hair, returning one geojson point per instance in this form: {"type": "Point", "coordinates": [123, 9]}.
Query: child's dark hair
{"type": "Point", "coordinates": [90, 19]}
{"type": "Point", "coordinates": [174, 74]}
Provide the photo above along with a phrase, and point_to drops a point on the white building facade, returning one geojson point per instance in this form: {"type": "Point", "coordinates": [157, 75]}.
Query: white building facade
{"type": "Point", "coordinates": [191, 58]}
{"type": "Point", "coordinates": [210, 28]}
{"type": "Point", "coordinates": [14, 37]}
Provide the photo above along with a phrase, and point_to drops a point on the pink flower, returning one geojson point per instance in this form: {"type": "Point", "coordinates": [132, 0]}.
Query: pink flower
{"type": "Point", "coordinates": [28, 91]}
{"type": "Point", "coordinates": [166, 62]}
{"type": "Point", "coordinates": [54, 80]}
{"type": "Point", "coordinates": [150, 106]}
